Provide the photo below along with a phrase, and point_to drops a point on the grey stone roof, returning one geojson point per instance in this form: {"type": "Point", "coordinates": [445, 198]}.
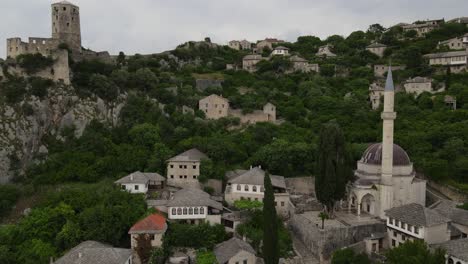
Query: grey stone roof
{"type": "Point", "coordinates": [141, 177]}
{"type": "Point", "coordinates": [376, 45]}
{"type": "Point", "coordinates": [255, 176]}
{"type": "Point", "coordinates": [419, 80]}
{"type": "Point", "coordinates": [193, 197]}
{"type": "Point", "coordinates": [456, 248]}
{"type": "Point", "coordinates": [296, 58]}
{"type": "Point", "coordinates": [228, 249]}
{"type": "Point", "coordinates": [449, 99]}
{"type": "Point", "coordinates": [449, 210]}
{"type": "Point", "coordinates": [281, 48]}
{"type": "Point", "coordinates": [253, 57]}
{"type": "Point", "coordinates": [446, 54]}
{"type": "Point", "coordinates": [417, 215]}
{"type": "Point", "coordinates": [389, 82]}
{"type": "Point", "coordinates": [96, 253]}
{"type": "Point", "coordinates": [190, 155]}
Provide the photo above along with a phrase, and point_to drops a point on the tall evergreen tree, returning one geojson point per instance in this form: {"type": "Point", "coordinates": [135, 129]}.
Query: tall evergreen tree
{"type": "Point", "coordinates": [270, 224]}
{"type": "Point", "coordinates": [332, 169]}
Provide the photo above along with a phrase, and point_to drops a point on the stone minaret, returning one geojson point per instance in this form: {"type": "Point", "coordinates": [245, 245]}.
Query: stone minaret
{"type": "Point", "coordinates": [388, 117]}
{"type": "Point", "coordinates": [66, 25]}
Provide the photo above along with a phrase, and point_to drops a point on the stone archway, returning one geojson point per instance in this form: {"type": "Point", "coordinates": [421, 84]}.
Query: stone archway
{"type": "Point", "coordinates": [368, 204]}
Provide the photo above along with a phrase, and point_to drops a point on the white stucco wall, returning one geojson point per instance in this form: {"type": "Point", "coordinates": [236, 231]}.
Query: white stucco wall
{"type": "Point", "coordinates": [136, 188]}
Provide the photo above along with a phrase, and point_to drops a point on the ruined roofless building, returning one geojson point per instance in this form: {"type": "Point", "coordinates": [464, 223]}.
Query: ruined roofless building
{"type": "Point", "coordinates": [65, 29]}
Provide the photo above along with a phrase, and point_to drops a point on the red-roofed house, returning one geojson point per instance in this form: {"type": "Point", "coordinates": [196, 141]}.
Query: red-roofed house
{"type": "Point", "coordinates": [153, 226]}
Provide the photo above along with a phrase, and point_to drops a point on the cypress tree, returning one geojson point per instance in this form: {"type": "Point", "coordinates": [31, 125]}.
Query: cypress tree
{"type": "Point", "coordinates": [332, 170]}
{"type": "Point", "coordinates": [270, 224]}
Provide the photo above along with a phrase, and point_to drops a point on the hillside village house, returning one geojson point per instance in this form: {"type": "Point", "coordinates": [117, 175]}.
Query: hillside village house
{"type": "Point", "coordinates": [141, 182]}
{"type": "Point", "coordinates": [248, 185]}
{"type": "Point", "coordinates": [240, 45]}
{"type": "Point", "coordinates": [268, 114]}
{"type": "Point", "coordinates": [249, 62]}
{"type": "Point", "coordinates": [459, 20]}
{"type": "Point", "coordinates": [418, 85]}
{"type": "Point", "coordinates": [457, 43]}
{"type": "Point", "coordinates": [456, 251]}
{"type": "Point", "coordinates": [267, 43]}
{"type": "Point", "coordinates": [451, 102]}
{"type": "Point", "coordinates": [423, 27]}
{"type": "Point", "coordinates": [214, 106]}
{"type": "Point", "coordinates": [415, 222]}
{"type": "Point", "coordinates": [96, 252]}
{"type": "Point", "coordinates": [183, 170]}
{"type": "Point", "coordinates": [153, 227]}
{"type": "Point", "coordinates": [376, 92]}
{"type": "Point", "coordinates": [194, 206]}
{"type": "Point", "coordinates": [458, 217]}
{"type": "Point", "coordinates": [325, 51]}
{"type": "Point", "coordinates": [235, 251]}
{"type": "Point", "coordinates": [380, 70]}
{"type": "Point", "coordinates": [281, 51]}
{"type": "Point", "coordinates": [456, 60]}
{"type": "Point", "coordinates": [377, 48]}
{"type": "Point", "coordinates": [302, 65]}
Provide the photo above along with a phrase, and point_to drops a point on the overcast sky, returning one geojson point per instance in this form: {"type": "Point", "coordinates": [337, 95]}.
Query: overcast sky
{"type": "Point", "coordinates": [151, 26]}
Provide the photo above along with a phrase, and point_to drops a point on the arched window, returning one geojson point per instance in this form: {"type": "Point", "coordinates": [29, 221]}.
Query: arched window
{"type": "Point", "coordinates": [174, 211]}
{"type": "Point", "coordinates": [202, 210]}
{"type": "Point", "coordinates": [238, 187]}
{"type": "Point", "coordinates": [254, 188]}
{"type": "Point", "coordinates": [450, 261]}
{"type": "Point", "coordinates": [179, 211]}
{"type": "Point", "coordinates": [246, 188]}
{"type": "Point", "coordinates": [196, 210]}
{"type": "Point", "coordinates": [185, 211]}
{"type": "Point", "coordinates": [190, 211]}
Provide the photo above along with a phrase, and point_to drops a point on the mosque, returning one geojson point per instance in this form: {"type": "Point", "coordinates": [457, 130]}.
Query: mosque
{"type": "Point", "coordinates": [385, 177]}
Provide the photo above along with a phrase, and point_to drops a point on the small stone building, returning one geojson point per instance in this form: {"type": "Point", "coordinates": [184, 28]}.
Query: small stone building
{"type": "Point", "coordinates": [302, 65]}
{"type": "Point", "coordinates": [415, 222]}
{"type": "Point", "coordinates": [183, 170]}
{"type": "Point", "coordinates": [153, 227]}
{"type": "Point", "coordinates": [281, 51]}
{"type": "Point", "coordinates": [451, 102]}
{"type": "Point", "coordinates": [423, 27]}
{"type": "Point", "coordinates": [268, 43]}
{"type": "Point", "coordinates": [325, 51]}
{"type": "Point", "coordinates": [214, 106]}
{"type": "Point", "coordinates": [235, 251]}
{"type": "Point", "coordinates": [249, 62]}
{"type": "Point", "coordinates": [141, 182]}
{"type": "Point", "coordinates": [376, 92]}
{"type": "Point", "coordinates": [456, 60]}
{"type": "Point", "coordinates": [377, 48]}
{"type": "Point", "coordinates": [380, 70]}
{"type": "Point", "coordinates": [268, 114]}
{"type": "Point", "coordinates": [453, 44]}
{"type": "Point", "coordinates": [95, 252]}
{"type": "Point", "coordinates": [456, 251]}
{"type": "Point", "coordinates": [248, 185]}
{"type": "Point", "coordinates": [418, 85]}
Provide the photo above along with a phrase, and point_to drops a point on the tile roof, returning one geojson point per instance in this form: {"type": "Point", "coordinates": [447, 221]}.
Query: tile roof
{"type": "Point", "coordinates": [228, 249]}
{"type": "Point", "coordinates": [417, 215]}
{"type": "Point", "coordinates": [190, 155]}
{"type": "Point", "coordinates": [141, 177]}
{"type": "Point", "coordinates": [96, 253]}
{"type": "Point", "coordinates": [446, 54]}
{"type": "Point", "coordinates": [253, 57]}
{"type": "Point", "coordinates": [419, 80]}
{"type": "Point", "coordinates": [193, 197]}
{"type": "Point", "coordinates": [296, 58]}
{"type": "Point", "coordinates": [389, 86]}
{"type": "Point", "coordinates": [449, 210]}
{"type": "Point", "coordinates": [255, 176]}
{"type": "Point", "coordinates": [457, 248]}
{"type": "Point", "coordinates": [154, 223]}
{"type": "Point", "coordinates": [281, 48]}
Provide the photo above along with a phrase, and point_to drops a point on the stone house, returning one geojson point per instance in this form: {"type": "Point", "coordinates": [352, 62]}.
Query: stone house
{"type": "Point", "coordinates": [457, 216]}
{"type": "Point", "coordinates": [249, 62]}
{"type": "Point", "coordinates": [451, 102]}
{"type": "Point", "coordinates": [153, 227]}
{"type": "Point", "coordinates": [456, 251]}
{"type": "Point", "coordinates": [194, 206]}
{"type": "Point", "coordinates": [235, 251]}
{"type": "Point", "coordinates": [214, 106]}
{"type": "Point", "coordinates": [234, 44]}
{"type": "Point", "coordinates": [268, 114]}
{"type": "Point", "coordinates": [454, 43]}
{"type": "Point", "coordinates": [418, 85]}
{"type": "Point", "coordinates": [268, 43]}
{"type": "Point", "coordinates": [141, 182]}
{"type": "Point", "coordinates": [302, 65]}
{"type": "Point", "coordinates": [377, 48]}
{"type": "Point", "coordinates": [423, 27]}
{"type": "Point", "coordinates": [183, 170]}
{"type": "Point", "coordinates": [376, 92]}
{"type": "Point", "coordinates": [415, 222]}
{"type": "Point", "coordinates": [325, 51]}
{"type": "Point", "coordinates": [281, 51]}
{"type": "Point", "coordinates": [96, 252]}
{"type": "Point", "coordinates": [240, 45]}
{"type": "Point", "coordinates": [248, 185]}
{"type": "Point", "coordinates": [380, 70]}
{"type": "Point", "coordinates": [456, 60]}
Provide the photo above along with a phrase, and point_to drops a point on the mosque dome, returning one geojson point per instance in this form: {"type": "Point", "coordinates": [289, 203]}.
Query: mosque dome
{"type": "Point", "coordinates": [373, 155]}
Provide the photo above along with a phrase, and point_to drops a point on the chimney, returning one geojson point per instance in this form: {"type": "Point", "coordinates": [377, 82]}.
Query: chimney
{"type": "Point", "coordinates": [80, 255]}
{"type": "Point", "coordinates": [244, 238]}
{"type": "Point", "coordinates": [131, 177]}
{"type": "Point", "coordinates": [260, 166]}
{"type": "Point", "coordinates": [250, 166]}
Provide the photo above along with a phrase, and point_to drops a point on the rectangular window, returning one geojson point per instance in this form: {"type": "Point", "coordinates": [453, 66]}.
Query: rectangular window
{"type": "Point", "coordinates": [180, 167]}
{"type": "Point", "coordinates": [393, 242]}
{"type": "Point", "coordinates": [282, 203]}
{"type": "Point", "coordinates": [395, 234]}
{"type": "Point", "coordinates": [194, 166]}
{"type": "Point", "coordinates": [172, 176]}
{"type": "Point", "coordinates": [137, 187]}
{"type": "Point", "coordinates": [172, 166]}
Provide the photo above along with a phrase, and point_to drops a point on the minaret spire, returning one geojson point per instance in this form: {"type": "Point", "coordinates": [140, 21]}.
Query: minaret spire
{"type": "Point", "coordinates": [388, 117]}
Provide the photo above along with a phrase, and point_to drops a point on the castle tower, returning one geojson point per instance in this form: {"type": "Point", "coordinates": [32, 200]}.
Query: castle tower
{"type": "Point", "coordinates": [66, 25]}
{"type": "Point", "coordinates": [388, 117]}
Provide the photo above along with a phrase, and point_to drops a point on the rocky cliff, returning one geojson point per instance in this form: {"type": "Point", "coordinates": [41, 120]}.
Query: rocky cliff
{"type": "Point", "coordinates": [24, 125]}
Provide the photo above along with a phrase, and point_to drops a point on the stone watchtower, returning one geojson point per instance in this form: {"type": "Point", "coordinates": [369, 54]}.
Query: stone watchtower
{"type": "Point", "coordinates": [66, 25]}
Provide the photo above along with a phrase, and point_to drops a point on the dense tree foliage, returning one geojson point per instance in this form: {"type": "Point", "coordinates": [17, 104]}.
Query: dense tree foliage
{"type": "Point", "coordinates": [8, 196]}
{"type": "Point", "coordinates": [416, 252]}
{"type": "Point", "coordinates": [348, 256]}
{"type": "Point", "coordinates": [195, 236]}
{"type": "Point", "coordinates": [270, 249]}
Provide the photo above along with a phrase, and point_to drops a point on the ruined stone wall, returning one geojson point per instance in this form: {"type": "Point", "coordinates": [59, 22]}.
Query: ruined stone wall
{"type": "Point", "coordinates": [44, 46]}
{"type": "Point", "coordinates": [303, 185]}
{"type": "Point", "coordinates": [322, 243]}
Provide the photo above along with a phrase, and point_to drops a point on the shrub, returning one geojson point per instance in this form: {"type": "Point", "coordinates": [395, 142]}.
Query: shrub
{"type": "Point", "coordinates": [33, 63]}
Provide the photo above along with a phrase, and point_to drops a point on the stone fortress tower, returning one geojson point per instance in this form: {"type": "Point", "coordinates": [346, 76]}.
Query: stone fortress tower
{"type": "Point", "coordinates": [66, 25]}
